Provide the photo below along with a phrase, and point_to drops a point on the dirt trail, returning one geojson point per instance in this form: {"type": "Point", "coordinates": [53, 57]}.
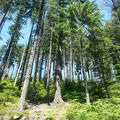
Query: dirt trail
{"type": "Point", "coordinates": [43, 111]}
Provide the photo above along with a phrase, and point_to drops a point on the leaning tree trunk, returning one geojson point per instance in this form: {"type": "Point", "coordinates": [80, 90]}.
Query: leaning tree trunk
{"type": "Point", "coordinates": [25, 58]}
{"type": "Point", "coordinates": [18, 71]}
{"type": "Point", "coordinates": [37, 59]}
{"type": "Point", "coordinates": [22, 103]}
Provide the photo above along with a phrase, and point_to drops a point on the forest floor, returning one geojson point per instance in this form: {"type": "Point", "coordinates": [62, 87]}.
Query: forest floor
{"type": "Point", "coordinates": [48, 111]}
{"type": "Point", "coordinates": [39, 112]}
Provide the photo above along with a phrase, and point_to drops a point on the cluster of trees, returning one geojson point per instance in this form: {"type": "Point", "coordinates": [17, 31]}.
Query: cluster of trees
{"type": "Point", "coordinates": [68, 42]}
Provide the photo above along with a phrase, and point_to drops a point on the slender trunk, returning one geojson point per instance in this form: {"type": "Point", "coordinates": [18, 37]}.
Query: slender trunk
{"type": "Point", "coordinates": [49, 62]}
{"type": "Point", "coordinates": [36, 64]}
{"type": "Point", "coordinates": [45, 72]}
{"type": "Point", "coordinates": [71, 61]}
{"type": "Point", "coordinates": [37, 59]}
{"type": "Point", "coordinates": [64, 67]}
{"type": "Point", "coordinates": [67, 70]}
{"type": "Point", "coordinates": [18, 71]}
{"type": "Point", "coordinates": [83, 71]}
{"type": "Point", "coordinates": [25, 58]}
{"type": "Point", "coordinates": [41, 65]}
{"type": "Point", "coordinates": [34, 77]}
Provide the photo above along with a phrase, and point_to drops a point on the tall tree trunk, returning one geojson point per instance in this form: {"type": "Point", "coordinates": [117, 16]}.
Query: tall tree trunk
{"type": "Point", "coordinates": [83, 71]}
{"type": "Point", "coordinates": [71, 61]}
{"type": "Point", "coordinates": [67, 70]}
{"type": "Point", "coordinates": [58, 71]}
{"type": "Point", "coordinates": [18, 71]}
{"type": "Point", "coordinates": [37, 61]}
{"type": "Point", "coordinates": [41, 65]}
{"type": "Point", "coordinates": [64, 67]}
{"type": "Point", "coordinates": [49, 62]}
{"type": "Point", "coordinates": [22, 103]}
{"type": "Point", "coordinates": [45, 71]}
{"type": "Point", "coordinates": [25, 58]}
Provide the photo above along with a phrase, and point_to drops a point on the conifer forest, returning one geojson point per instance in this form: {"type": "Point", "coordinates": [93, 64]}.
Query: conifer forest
{"type": "Point", "coordinates": [59, 59]}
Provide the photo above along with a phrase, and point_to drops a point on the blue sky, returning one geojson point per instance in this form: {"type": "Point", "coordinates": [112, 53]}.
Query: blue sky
{"type": "Point", "coordinates": [104, 10]}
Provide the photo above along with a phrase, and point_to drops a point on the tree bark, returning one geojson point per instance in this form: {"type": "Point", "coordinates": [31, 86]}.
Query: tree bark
{"type": "Point", "coordinates": [5, 70]}
{"type": "Point", "coordinates": [41, 65]}
{"type": "Point", "coordinates": [71, 61]}
{"type": "Point", "coordinates": [49, 63]}
{"type": "Point", "coordinates": [16, 78]}
{"type": "Point", "coordinates": [25, 58]}
{"type": "Point", "coordinates": [22, 103]}
{"type": "Point", "coordinates": [83, 71]}
{"type": "Point", "coordinates": [58, 71]}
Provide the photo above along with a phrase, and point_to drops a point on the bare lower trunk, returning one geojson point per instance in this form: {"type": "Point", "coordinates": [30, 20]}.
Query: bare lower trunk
{"type": "Point", "coordinates": [71, 61]}
{"type": "Point", "coordinates": [64, 67]}
{"type": "Point", "coordinates": [18, 71]}
{"type": "Point", "coordinates": [41, 65]}
{"type": "Point", "coordinates": [45, 71]}
{"type": "Point", "coordinates": [58, 72]}
{"type": "Point", "coordinates": [67, 70]}
{"type": "Point", "coordinates": [83, 70]}
{"type": "Point", "coordinates": [57, 97]}
{"type": "Point", "coordinates": [25, 58]}
{"type": "Point", "coordinates": [49, 63]}
{"type": "Point", "coordinates": [22, 103]}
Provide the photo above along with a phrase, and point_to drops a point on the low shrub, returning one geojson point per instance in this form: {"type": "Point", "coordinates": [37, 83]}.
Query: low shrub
{"type": "Point", "coordinates": [103, 109]}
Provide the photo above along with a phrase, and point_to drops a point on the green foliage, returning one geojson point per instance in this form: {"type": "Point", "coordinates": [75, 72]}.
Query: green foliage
{"type": "Point", "coordinates": [40, 92]}
{"type": "Point", "coordinates": [9, 93]}
{"type": "Point", "coordinates": [76, 91]}
{"type": "Point", "coordinates": [9, 96]}
{"type": "Point", "coordinates": [73, 91]}
{"type": "Point", "coordinates": [115, 90]}
{"type": "Point", "coordinates": [100, 110]}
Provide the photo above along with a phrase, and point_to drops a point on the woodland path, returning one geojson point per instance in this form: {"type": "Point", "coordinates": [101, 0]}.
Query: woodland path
{"type": "Point", "coordinates": [43, 111]}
